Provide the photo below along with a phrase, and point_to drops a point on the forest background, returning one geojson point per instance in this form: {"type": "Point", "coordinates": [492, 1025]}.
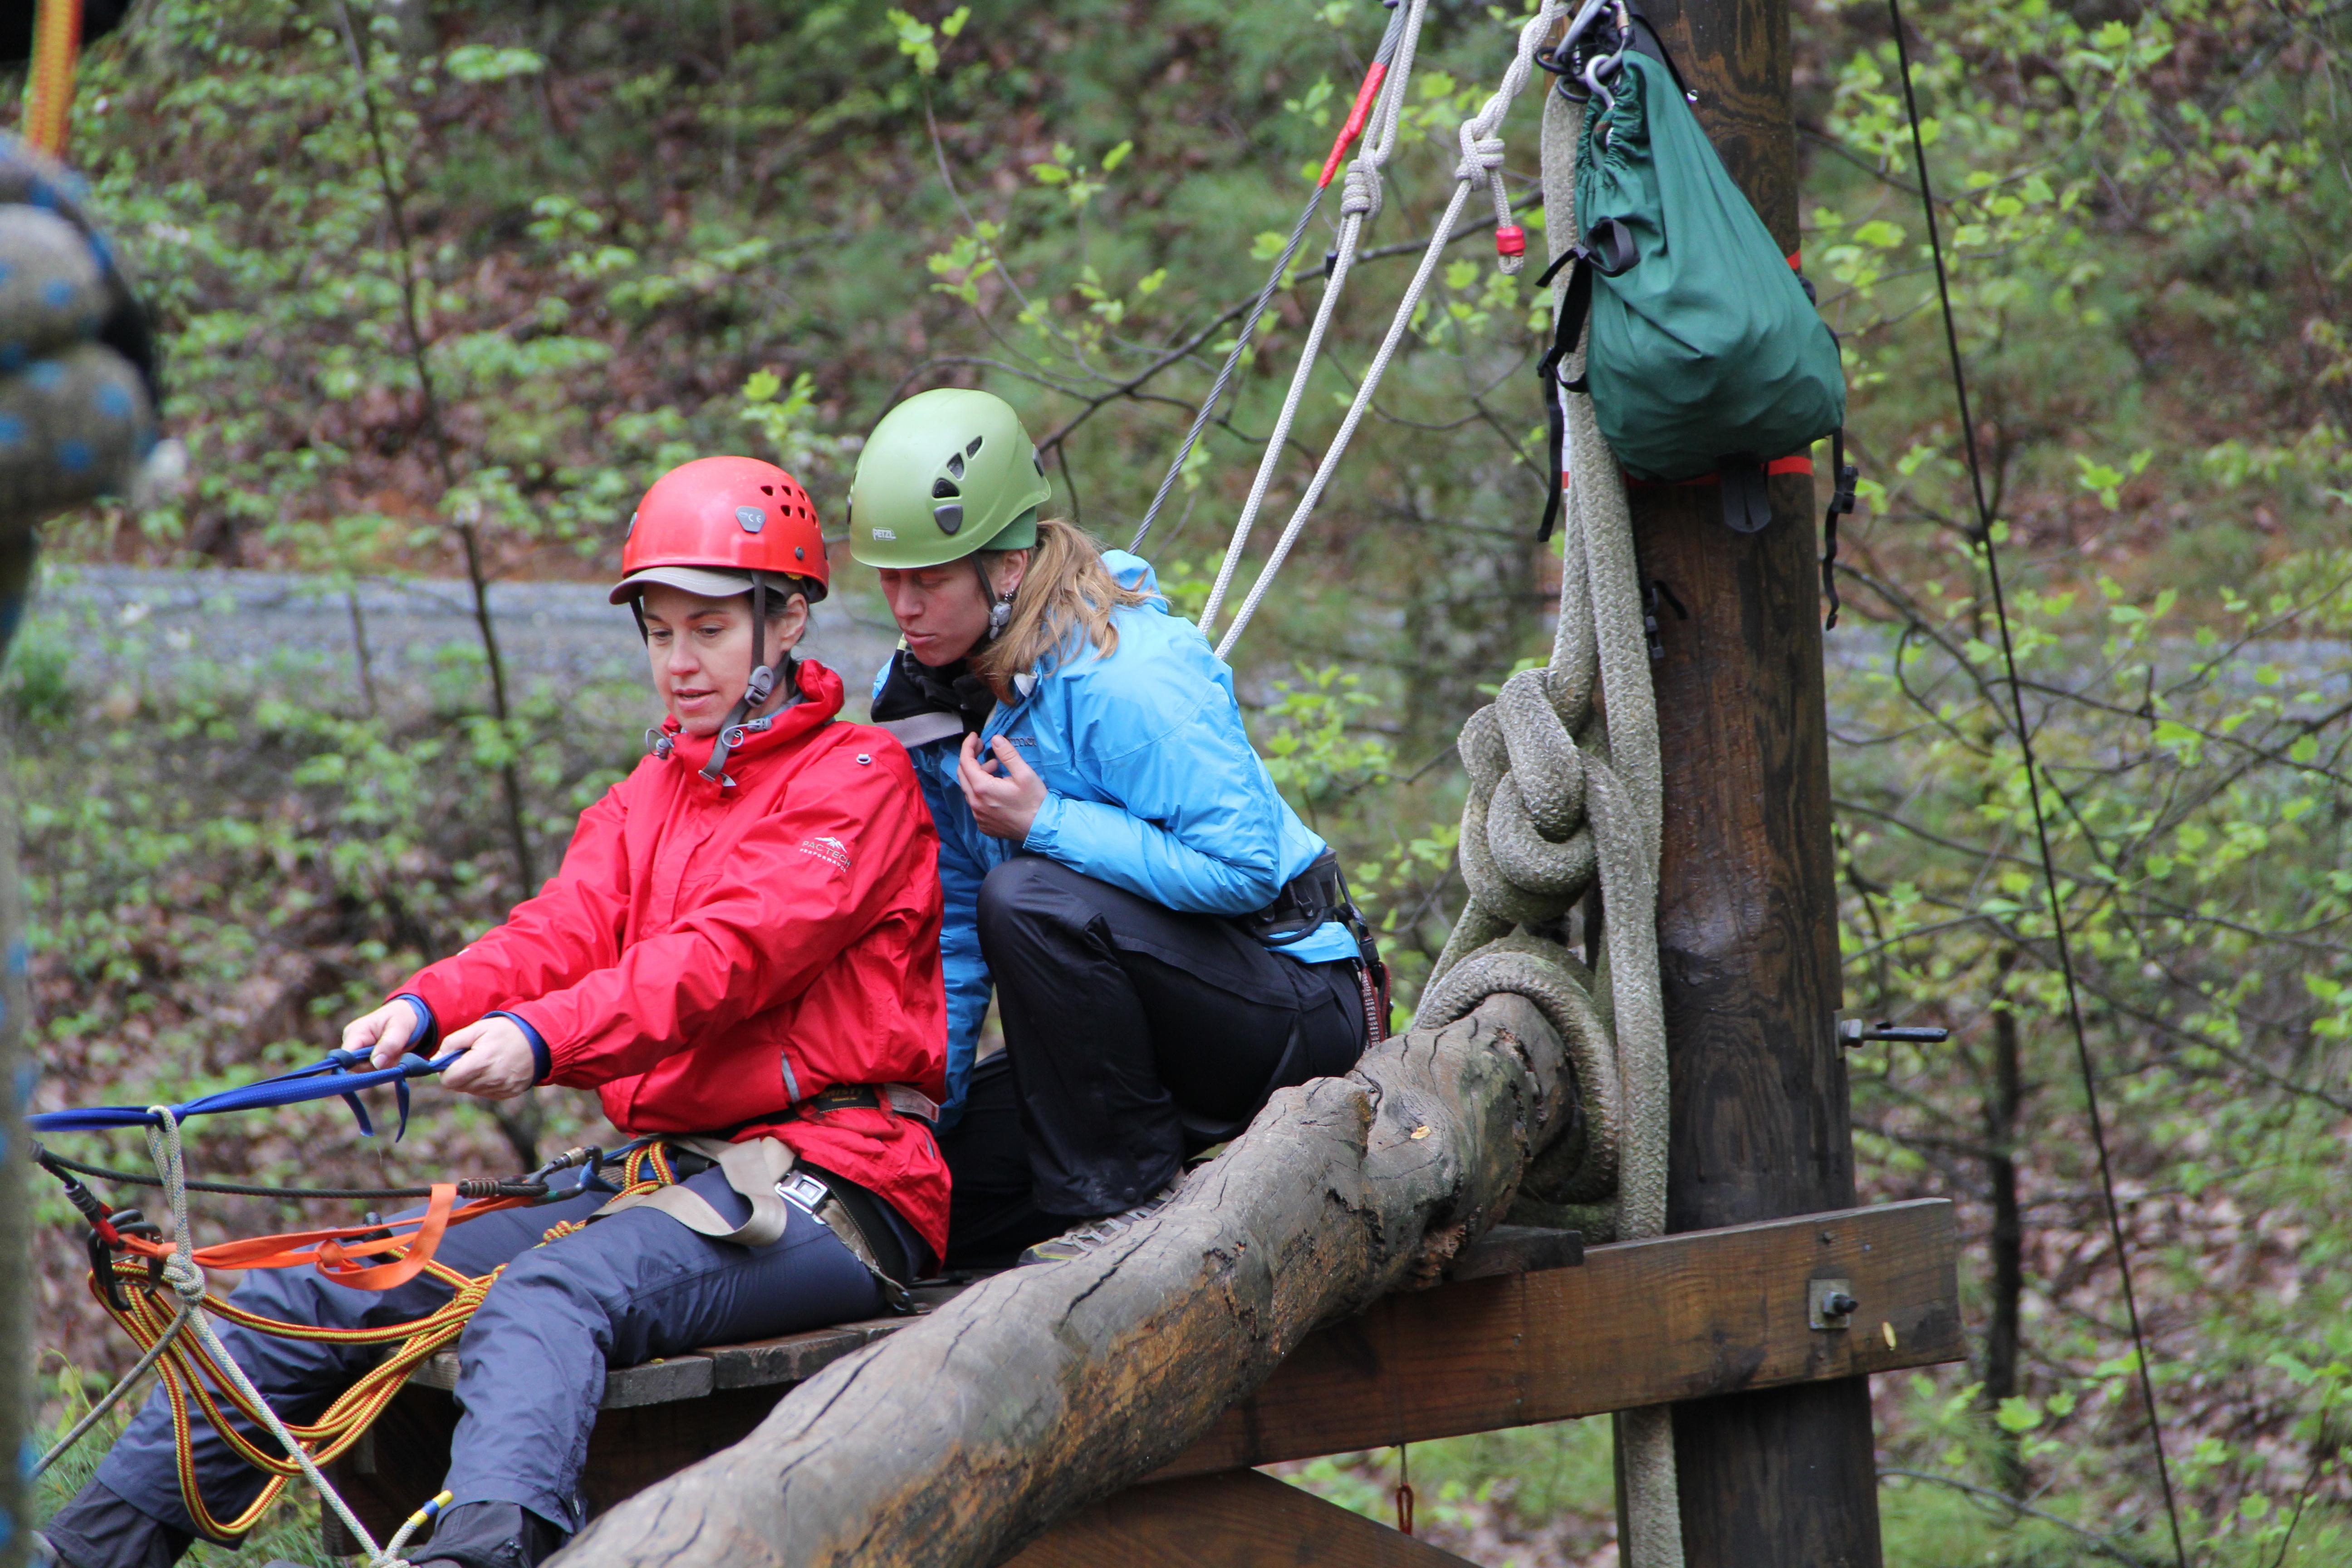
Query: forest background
{"type": "Point", "coordinates": [442, 286]}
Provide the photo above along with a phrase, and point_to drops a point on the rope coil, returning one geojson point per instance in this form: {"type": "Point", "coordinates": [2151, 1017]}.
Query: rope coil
{"type": "Point", "coordinates": [202, 1377]}
{"type": "Point", "coordinates": [1566, 792]}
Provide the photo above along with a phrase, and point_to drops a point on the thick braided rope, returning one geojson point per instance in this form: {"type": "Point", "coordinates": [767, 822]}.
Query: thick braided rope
{"type": "Point", "coordinates": [1482, 159]}
{"type": "Point", "coordinates": [1563, 792]}
{"type": "Point", "coordinates": [1359, 200]}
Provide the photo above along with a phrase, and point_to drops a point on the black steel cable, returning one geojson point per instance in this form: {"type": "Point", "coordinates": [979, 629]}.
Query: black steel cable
{"type": "Point", "coordinates": [2033, 796]}
{"type": "Point", "coordinates": [471, 1187]}
{"type": "Point", "coordinates": [1225, 372]}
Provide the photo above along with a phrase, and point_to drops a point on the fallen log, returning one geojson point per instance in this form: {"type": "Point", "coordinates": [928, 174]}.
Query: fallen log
{"type": "Point", "coordinates": [958, 1440]}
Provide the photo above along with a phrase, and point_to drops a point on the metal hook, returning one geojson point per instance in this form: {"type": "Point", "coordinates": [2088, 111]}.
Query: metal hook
{"type": "Point", "coordinates": [1591, 79]}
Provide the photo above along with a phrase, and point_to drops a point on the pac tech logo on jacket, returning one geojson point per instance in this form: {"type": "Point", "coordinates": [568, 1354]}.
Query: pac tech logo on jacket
{"type": "Point", "coordinates": [711, 954]}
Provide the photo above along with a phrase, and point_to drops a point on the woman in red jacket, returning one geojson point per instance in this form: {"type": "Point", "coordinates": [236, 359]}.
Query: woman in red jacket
{"type": "Point", "coordinates": [742, 951]}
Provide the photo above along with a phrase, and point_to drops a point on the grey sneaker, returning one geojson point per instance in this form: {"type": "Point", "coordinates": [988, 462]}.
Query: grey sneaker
{"type": "Point", "coordinates": [1081, 1239]}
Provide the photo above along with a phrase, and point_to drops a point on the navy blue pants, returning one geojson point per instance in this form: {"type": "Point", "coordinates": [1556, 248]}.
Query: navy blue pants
{"type": "Point", "coordinates": [531, 1362]}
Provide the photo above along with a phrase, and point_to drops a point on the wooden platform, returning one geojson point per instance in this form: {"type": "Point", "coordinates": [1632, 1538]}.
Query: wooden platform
{"type": "Point", "coordinates": [1530, 1328]}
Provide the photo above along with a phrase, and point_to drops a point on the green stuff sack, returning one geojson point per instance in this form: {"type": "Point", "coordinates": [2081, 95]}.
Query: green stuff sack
{"type": "Point", "coordinates": [1706, 355]}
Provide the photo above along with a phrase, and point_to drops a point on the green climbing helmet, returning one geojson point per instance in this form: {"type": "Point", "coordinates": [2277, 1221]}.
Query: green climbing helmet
{"type": "Point", "coordinates": [947, 473]}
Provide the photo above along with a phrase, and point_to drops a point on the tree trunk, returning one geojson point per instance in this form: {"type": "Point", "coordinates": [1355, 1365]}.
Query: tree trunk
{"type": "Point", "coordinates": [19, 1381]}
{"type": "Point", "coordinates": [2003, 1333]}
{"type": "Point", "coordinates": [958, 1440]}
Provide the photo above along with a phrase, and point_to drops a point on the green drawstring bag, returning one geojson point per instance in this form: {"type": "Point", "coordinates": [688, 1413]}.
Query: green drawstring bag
{"type": "Point", "coordinates": [1706, 355]}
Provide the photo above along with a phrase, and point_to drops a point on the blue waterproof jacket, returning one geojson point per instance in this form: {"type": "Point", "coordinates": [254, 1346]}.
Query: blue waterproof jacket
{"type": "Point", "coordinates": [1153, 787]}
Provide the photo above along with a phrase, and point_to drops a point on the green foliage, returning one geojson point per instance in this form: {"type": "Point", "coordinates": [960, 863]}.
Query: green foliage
{"type": "Point", "coordinates": [640, 238]}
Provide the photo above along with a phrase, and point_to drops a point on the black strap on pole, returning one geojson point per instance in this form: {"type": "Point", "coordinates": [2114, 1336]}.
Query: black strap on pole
{"type": "Point", "coordinates": [1843, 477]}
{"type": "Point", "coordinates": [1609, 250]}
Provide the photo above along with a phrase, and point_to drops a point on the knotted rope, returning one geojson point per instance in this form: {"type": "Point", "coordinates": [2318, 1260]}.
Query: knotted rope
{"type": "Point", "coordinates": [167, 1342]}
{"type": "Point", "coordinates": [1565, 789]}
{"type": "Point", "coordinates": [1482, 159]}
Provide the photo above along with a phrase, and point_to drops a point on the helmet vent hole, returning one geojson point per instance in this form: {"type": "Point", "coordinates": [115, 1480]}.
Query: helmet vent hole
{"type": "Point", "coordinates": [944, 489]}
{"type": "Point", "coordinates": [973, 450]}
{"type": "Point", "coordinates": [949, 517]}
{"type": "Point", "coordinates": [955, 465]}
{"type": "Point", "coordinates": [767, 490]}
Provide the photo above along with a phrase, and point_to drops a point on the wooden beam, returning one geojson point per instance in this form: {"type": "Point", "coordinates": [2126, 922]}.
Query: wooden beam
{"type": "Point", "coordinates": [1642, 1322]}
{"type": "Point", "coordinates": [657, 1418]}
{"type": "Point", "coordinates": [1527, 1340]}
{"type": "Point", "coordinates": [1237, 1519]}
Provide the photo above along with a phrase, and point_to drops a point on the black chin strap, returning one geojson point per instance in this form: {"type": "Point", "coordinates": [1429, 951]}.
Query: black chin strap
{"type": "Point", "coordinates": [756, 690]}
{"type": "Point", "coordinates": [999, 605]}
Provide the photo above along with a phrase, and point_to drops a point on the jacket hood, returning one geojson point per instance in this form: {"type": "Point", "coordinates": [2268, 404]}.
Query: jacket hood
{"type": "Point", "coordinates": [819, 705]}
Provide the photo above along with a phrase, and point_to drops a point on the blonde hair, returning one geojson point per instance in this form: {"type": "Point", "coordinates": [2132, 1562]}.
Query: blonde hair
{"type": "Point", "coordinates": [1067, 593]}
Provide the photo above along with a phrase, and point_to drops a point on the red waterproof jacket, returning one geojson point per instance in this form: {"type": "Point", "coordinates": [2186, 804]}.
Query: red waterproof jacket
{"type": "Point", "coordinates": [709, 955]}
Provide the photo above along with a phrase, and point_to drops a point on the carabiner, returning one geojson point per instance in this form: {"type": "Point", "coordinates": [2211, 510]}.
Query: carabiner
{"type": "Point", "coordinates": [1560, 58]}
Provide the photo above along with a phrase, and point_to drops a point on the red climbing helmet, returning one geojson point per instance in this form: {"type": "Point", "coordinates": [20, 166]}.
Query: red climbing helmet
{"type": "Point", "coordinates": [729, 515]}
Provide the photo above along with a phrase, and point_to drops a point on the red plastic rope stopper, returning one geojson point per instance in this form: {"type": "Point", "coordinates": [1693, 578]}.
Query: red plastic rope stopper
{"type": "Point", "coordinates": [1511, 241]}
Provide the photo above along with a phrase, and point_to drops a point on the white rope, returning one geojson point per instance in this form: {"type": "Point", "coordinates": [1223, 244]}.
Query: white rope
{"type": "Point", "coordinates": [1359, 200]}
{"type": "Point", "coordinates": [1481, 159]}
{"type": "Point", "coordinates": [186, 1278]}
{"type": "Point", "coordinates": [122, 1385]}
{"type": "Point", "coordinates": [1564, 790]}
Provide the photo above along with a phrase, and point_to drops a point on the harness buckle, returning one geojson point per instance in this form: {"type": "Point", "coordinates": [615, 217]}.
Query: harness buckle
{"type": "Point", "coordinates": [804, 1192]}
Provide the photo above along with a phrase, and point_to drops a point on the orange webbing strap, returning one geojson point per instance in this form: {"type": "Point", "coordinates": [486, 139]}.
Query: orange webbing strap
{"type": "Point", "coordinates": [412, 1240]}
{"type": "Point", "coordinates": [194, 1383]}
{"type": "Point", "coordinates": [56, 44]}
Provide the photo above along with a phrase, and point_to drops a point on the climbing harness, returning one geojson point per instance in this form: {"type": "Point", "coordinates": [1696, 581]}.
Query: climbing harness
{"type": "Point", "coordinates": [1481, 162]}
{"type": "Point", "coordinates": [1367, 94]}
{"type": "Point", "coordinates": [764, 1173]}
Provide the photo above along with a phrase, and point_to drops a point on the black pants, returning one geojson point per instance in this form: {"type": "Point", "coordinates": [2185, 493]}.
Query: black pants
{"type": "Point", "coordinates": [1133, 1036]}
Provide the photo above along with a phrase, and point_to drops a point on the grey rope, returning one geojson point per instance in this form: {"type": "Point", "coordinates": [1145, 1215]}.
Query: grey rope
{"type": "Point", "coordinates": [1482, 159]}
{"type": "Point", "coordinates": [122, 1385]}
{"type": "Point", "coordinates": [1565, 790]}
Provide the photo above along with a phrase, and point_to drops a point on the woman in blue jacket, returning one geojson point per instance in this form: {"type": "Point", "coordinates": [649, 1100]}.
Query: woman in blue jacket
{"type": "Point", "coordinates": [1167, 943]}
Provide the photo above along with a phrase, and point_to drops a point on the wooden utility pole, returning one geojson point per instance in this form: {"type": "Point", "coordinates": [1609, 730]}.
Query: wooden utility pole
{"type": "Point", "coordinates": [1748, 896]}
